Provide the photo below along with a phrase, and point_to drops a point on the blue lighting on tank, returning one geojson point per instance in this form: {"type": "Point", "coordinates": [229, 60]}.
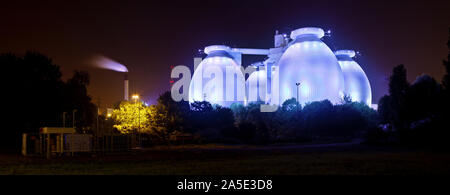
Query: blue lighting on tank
{"type": "Point", "coordinates": [312, 63]}
{"type": "Point", "coordinates": [210, 80]}
{"type": "Point", "coordinates": [306, 59]}
{"type": "Point", "coordinates": [304, 89]}
{"type": "Point", "coordinates": [256, 86]}
{"type": "Point", "coordinates": [357, 84]}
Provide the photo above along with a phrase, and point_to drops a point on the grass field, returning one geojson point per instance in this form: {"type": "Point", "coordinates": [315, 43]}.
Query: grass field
{"type": "Point", "coordinates": [240, 160]}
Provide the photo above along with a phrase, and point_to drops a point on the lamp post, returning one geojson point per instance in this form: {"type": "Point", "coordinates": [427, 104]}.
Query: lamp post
{"type": "Point", "coordinates": [136, 98]}
{"type": "Point", "coordinates": [64, 119]}
{"type": "Point", "coordinates": [73, 118]}
{"type": "Point", "coordinates": [298, 86]}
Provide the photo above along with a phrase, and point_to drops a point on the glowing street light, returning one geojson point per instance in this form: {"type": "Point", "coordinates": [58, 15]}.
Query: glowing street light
{"type": "Point", "coordinates": [135, 97]}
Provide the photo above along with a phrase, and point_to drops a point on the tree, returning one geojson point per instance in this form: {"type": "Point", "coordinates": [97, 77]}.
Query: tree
{"type": "Point", "coordinates": [424, 98]}
{"type": "Point", "coordinates": [346, 99]}
{"type": "Point", "coordinates": [132, 117]}
{"type": "Point", "coordinates": [398, 83]}
{"type": "Point", "coordinates": [39, 81]}
{"type": "Point", "coordinates": [224, 120]}
{"type": "Point", "coordinates": [291, 105]}
{"type": "Point", "coordinates": [446, 79]}
{"type": "Point", "coordinates": [168, 117]}
{"type": "Point", "coordinates": [446, 85]}
{"type": "Point", "coordinates": [39, 92]}
{"type": "Point", "coordinates": [384, 109]}
{"type": "Point", "coordinates": [398, 88]}
{"type": "Point", "coordinates": [77, 98]}
{"type": "Point", "coordinates": [318, 118]}
{"type": "Point", "coordinates": [39, 96]}
{"type": "Point", "coordinates": [352, 118]}
{"type": "Point", "coordinates": [202, 106]}
{"type": "Point", "coordinates": [288, 122]}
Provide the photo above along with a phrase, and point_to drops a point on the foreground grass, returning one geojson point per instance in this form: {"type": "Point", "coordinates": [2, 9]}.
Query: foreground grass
{"type": "Point", "coordinates": [239, 161]}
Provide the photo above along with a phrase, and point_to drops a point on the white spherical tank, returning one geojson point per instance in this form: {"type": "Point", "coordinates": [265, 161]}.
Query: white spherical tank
{"type": "Point", "coordinates": [357, 85]}
{"type": "Point", "coordinates": [310, 62]}
{"type": "Point", "coordinates": [218, 79]}
{"type": "Point", "coordinates": [256, 86]}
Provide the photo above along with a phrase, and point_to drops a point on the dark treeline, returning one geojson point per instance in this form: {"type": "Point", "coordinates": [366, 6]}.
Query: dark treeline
{"type": "Point", "coordinates": [38, 97]}
{"type": "Point", "coordinates": [416, 114]}
{"type": "Point", "coordinates": [247, 124]}
{"type": "Point", "coordinates": [412, 114]}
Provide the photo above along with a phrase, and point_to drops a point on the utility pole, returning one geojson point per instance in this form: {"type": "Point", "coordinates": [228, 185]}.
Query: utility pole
{"type": "Point", "coordinates": [139, 127]}
{"type": "Point", "coordinates": [73, 118]}
{"type": "Point", "coordinates": [64, 119]}
{"type": "Point", "coordinates": [98, 112]}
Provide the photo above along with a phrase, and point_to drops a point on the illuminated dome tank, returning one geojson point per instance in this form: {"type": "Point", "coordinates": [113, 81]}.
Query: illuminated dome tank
{"type": "Point", "coordinates": [357, 86]}
{"type": "Point", "coordinates": [310, 62]}
{"type": "Point", "coordinates": [209, 81]}
{"type": "Point", "coordinates": [256, 86]}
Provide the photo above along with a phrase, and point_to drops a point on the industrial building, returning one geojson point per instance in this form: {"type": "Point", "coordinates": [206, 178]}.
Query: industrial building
{"type": "Point", "coordinates": [299, 66]}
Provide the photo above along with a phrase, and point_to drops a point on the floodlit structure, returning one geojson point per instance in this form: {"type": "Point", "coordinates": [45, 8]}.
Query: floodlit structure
{"type": "Point", "coordinates": [311, 63]}
{"type": "Point", "coordinates": [299, 66]}
{"type": "Point", "coordinates": [216, 74]}
{"type": "Point", "coordinates": [357, 85]}
{"type": "Point", "coordinates": [256, 85]}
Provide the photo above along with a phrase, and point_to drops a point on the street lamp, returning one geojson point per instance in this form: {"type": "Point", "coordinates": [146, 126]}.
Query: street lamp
{"type": "Point", "coordinates": [73, 118]}
{"type": "Point", "coordinates": [135, 97]}
{"type": "Point", "coordinates": [298, 86]}
{"type": "Point", "coordinates": [64, 119]}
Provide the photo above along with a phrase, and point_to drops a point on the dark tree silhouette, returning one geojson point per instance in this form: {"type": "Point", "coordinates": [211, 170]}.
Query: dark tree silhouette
{"type": "Point", "coordinates": [77, 98]}
{"type": "Point", "coordinates": [39, 97]}
{"type": "Point", "coordinates": [424, 98]}
{"type": "Point", "coordinates": [384, 109]}
{"type": "Point", "coordinates": [318, 117]}
{"type": "Point", "coordinates": [446, 85]}
{"type": "Point", "coordinates": [398, 88]}
{"type": "Point", "coordinates": [418, 113]}
{"type": "Point", "coordinates": [446, 79]}
{"type": "Point", "coordinates": [169, 117]}
{"type": "Point", "coordinates": [291, 105]}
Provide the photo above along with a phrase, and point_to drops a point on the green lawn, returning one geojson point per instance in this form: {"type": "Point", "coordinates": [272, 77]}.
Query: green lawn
{"type": "Point", "coordinates": [239, 161]}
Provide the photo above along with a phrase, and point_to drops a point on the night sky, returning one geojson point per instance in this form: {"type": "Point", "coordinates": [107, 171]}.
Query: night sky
{"type": "Point", "coordinates": [150, 36]}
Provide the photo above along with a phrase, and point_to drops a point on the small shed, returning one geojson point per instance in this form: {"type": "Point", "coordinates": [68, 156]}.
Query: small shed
{"type": "Point", "coordinates": [51, 139]}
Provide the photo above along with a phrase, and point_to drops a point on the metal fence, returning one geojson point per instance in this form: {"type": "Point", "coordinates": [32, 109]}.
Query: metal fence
{"type": "Point", "coordinates": [38, 144]}
{"type": "Point", "coordinates": [113, 143]}
{"type": "Point", "coordinates": [61, 144]}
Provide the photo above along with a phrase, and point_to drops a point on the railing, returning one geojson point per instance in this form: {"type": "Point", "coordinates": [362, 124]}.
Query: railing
{"type": "Point", "coordinates": [39, 144]}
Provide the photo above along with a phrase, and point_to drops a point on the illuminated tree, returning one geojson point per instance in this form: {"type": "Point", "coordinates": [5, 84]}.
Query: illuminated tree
{"type": "Point", "coordinates": [132, 116]}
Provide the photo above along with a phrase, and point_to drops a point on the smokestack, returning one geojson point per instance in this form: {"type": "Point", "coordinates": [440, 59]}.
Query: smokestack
{"type": "Point", "coordinates": [125, 87]}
